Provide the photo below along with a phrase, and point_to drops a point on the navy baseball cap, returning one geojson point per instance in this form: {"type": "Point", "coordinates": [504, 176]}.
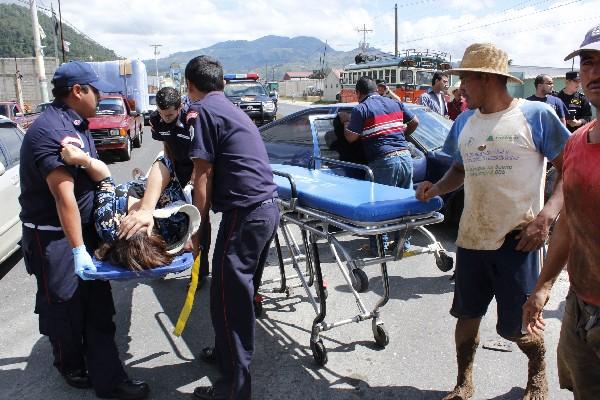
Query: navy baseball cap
{"type": "Point", "coordinates": [590, 42]}
{"type": "Point", "coordinates": [572, 76]}
{"type": "Point", "coordinates": [78, 72]}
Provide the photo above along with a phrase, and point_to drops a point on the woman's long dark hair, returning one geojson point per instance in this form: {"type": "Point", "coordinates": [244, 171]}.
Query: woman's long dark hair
{"type": "Point", "coordinates": [138, 253]}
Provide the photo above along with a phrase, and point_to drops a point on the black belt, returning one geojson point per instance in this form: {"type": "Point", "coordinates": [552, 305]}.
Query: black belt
{"type": "Point", "coordinates": [396, 153]}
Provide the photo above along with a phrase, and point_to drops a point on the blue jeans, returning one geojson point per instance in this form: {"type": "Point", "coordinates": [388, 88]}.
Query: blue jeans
{"type": "Point", "coordinates": [392, 171]}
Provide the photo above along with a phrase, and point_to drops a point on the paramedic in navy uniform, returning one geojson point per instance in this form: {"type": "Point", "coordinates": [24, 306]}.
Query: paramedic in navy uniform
{"type": "Point", "coordinates": [59, 236]}
{"type": "Point", "coordinates": [231, 173]}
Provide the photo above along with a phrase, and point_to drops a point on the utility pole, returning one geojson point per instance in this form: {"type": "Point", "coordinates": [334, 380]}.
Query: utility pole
{"type": "Point", "coordinates": [364, 45]}
{"type": "Point", "coordinates": [396, 30]}
{"type": "Point", "coordinates": [39, 56]}
{"type": "Point", "coordinates": [156, 53]}
{"type": "Point", "coordinates": [62, 36]}
{"type": "Point", "coordinates": [55, 29]}
{"type": "Point", "coordinates": [18, 88]}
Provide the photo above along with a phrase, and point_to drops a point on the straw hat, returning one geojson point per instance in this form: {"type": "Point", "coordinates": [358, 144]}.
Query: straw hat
{"type": "Point", "coordinates": [484, 57]}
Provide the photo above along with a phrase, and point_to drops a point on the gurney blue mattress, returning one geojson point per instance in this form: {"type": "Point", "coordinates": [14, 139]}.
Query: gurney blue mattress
{"type": "Point", "coordinates": [351, 199]}
{"type": "Point", "coordinates": [106, 271]}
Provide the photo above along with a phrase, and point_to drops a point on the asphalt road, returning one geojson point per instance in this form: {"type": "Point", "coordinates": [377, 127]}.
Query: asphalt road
{"type": "Point", "coordinates": [418, 363]}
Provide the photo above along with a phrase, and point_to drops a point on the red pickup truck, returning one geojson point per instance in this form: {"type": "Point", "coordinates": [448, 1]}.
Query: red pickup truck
{"type": "Point", "coordinates": [116, 127]}
{"type": "Point", "coordinates": [12, 111]}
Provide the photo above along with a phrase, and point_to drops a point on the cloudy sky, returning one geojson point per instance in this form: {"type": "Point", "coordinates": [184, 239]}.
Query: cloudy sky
{"type": "Point", "coordinates": [534, 32]}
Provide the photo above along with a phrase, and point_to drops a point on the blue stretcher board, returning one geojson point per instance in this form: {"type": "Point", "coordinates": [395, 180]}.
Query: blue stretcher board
{"type": "Point", "coordinates": [351, 199]}
{"type": "Point", "coordinates": [106, 271]}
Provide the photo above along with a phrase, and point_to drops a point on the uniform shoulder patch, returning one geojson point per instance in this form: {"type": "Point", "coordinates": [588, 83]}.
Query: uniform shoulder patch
{"type": "Point", "coordinates": [191, 115]}
{"type": "Point", "coordinates": [72, 140]}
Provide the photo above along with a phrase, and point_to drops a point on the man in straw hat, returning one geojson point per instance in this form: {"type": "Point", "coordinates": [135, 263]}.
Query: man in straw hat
{"type": "Point", "coordinates": [576, 238]}
{"type": "Point", "coordinates": [498, 146]}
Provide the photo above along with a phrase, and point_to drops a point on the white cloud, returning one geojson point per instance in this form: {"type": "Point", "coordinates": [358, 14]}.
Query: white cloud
{"type": "Point", "coordinates": [531, 38]}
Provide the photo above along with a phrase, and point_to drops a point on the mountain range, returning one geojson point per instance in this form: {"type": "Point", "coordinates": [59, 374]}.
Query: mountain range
{"type": "Point", "coordinates": [274, 55]}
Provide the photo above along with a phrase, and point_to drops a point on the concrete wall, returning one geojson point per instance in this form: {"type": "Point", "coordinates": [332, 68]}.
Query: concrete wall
{"type": "Point", "coordinates": [331, 87]}
{"type": "Point", "coordinates": [29, 83]}
{"type": "Point", "coordinates": [296, 89]}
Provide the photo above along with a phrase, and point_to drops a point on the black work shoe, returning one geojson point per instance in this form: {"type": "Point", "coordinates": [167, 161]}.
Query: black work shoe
{"type": "Point", "coordinates": [208, 355]}
{"type": "Point", "coordinates": [128, 390]}
{"type": "Point", "coordinates": [78, 379]}
{"type": "Point", "coordinates": [206, 393]}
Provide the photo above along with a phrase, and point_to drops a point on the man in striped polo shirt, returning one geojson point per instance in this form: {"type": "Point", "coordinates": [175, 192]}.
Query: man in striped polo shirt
{"type": "Point", "coordinates": [382, 125]}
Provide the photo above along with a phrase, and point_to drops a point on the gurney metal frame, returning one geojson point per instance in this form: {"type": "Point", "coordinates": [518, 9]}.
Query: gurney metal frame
{"type": "Point", "coordinates": [315, 225]}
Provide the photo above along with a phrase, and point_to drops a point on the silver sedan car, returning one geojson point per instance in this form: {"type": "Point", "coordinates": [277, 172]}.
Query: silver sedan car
{"type": "Point", "coordinates": [11, 137]}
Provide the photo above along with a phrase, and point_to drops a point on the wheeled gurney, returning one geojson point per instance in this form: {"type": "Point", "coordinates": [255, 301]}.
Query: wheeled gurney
{"type": "Point", "coordinates": [324, 206]}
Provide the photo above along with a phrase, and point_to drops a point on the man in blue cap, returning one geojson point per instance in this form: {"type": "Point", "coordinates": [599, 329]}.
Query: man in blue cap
{"type": "Point", "coordinates": [58, 237]}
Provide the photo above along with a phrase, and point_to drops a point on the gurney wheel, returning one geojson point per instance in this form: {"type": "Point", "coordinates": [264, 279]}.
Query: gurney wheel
{"type": "Point", "coordinates": [325, 294]}
{"type": "Point", "coordinates": [319, 352]}
{"type": "Point", "coordinates": [444, 262]}
{"type": "Point", "coordinates": [381, 336]}
{"type": "Point", "coordinates": [361, 281]}
{"type": "Point", "coordinates": [258, 309]}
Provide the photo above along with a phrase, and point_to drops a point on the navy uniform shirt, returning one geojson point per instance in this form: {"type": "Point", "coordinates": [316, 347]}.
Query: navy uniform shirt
{"type": "Point", "coordinates": [40, 155]}
{"type": "Point", "coordinates": [557, 104]}
{"type": "Point", "coordinates": [578, 105]}
{"type": "Point", "coordinates": [178, 140]}
{"type": "Point", "coordinates": [224, 135]}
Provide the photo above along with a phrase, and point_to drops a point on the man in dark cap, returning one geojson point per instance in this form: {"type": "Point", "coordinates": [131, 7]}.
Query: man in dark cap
{"type": "Point", "coordinates": [384, 90]}
{"type": "Point", "coordinates": [59, 236]}
{"type": "Point", "coordinates": [579, 109]}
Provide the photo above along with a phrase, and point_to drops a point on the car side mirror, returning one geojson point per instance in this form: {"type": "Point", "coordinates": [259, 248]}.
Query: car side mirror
{"type": "Point", "coordinates": [133, 113]}
{"type": "Point", "coordinates": [272, 94]}
{"type": "Point", "coordinates": [2, 169]}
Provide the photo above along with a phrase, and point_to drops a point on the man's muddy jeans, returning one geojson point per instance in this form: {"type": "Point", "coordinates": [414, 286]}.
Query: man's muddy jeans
{"type": "Point", "coordinates": [579, 349]}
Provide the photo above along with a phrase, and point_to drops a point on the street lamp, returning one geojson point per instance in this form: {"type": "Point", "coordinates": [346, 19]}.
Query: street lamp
{"type": "Point", "coordinates": [156, 53]}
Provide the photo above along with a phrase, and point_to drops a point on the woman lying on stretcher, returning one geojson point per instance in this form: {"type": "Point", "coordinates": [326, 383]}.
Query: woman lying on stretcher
{"type": "Point", "coordinates": [175, 220]}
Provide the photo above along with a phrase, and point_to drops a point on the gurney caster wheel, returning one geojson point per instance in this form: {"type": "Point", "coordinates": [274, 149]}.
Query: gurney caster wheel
{"type": "Point", "coordinates": [444, 262]}
{"type": "Point", "coordinates": [319, 352]}
{"type": "Point", "coordinates": [325, 294]}
{"type": "Point", "coordinates": [380, 334]}
{"type": "Point", "coordinates": [361, 281]}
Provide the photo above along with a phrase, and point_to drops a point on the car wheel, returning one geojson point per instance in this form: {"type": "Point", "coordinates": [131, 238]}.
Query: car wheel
{"type": "Point", "coordinates": [137, 142]}
{"type": "Point", "coordinates": [125, 154]}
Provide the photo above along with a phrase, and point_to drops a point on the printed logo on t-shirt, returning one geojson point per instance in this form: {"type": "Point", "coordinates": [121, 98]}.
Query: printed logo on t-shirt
{"type": "Point", "coordinates": [192, 132]}
{"type": "Point", "coordinates": [72, 140]}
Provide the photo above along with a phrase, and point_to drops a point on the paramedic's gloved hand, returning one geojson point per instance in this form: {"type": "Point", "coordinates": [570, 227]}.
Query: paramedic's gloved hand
{"type": "Point", "coordinates": [83, 261]}
{"type": "Point", "coordinates": [136, 221]}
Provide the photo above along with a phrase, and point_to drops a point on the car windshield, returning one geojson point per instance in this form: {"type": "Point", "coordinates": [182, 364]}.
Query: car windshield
{"type": "Point", "coordinates": [244, 89]}
{"type": "Point", "coordinates": [152, 100]}
{"type": "Point", "coordinates": [41, 107]}
{"type": "Point", "coordinates": [432, 130]}
{"type": "Point", "coordinates": [110, 107]}
{"type": "Point", "coordinates": [424, 77]}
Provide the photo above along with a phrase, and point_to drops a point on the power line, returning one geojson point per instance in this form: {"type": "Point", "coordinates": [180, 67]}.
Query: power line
{"type": "Point", "coordinates": [387, 56]}
{"type": "Point", "coordinates": [490, 24]}
{"type": "Point", "coordinates": [48, 13]}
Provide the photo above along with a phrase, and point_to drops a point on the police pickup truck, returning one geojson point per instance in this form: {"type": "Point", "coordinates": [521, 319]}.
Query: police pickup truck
{"type": "Point", "coordinates": [246, 92]}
